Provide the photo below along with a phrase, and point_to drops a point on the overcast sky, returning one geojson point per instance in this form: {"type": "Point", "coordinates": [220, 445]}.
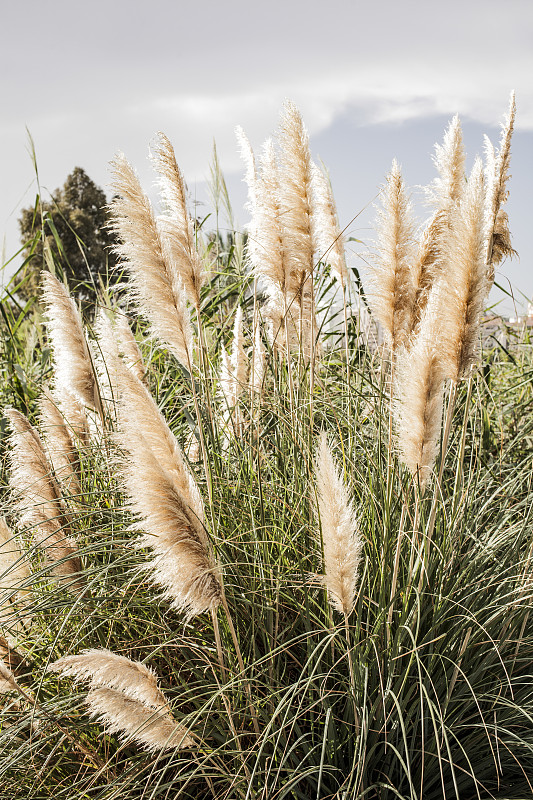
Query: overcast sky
{"type": "Point", "coordinates": [373, 82]}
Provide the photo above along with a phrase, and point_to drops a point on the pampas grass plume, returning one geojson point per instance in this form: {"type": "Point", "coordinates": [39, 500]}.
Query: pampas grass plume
{"type": "Point", "coordinates": [257, 371]}
{"type": "Point", "coordinates": [165, 498]}
{"type": "Point", "coordinates": [129, 348]}
{"type": "Point", "coordinates": [73, 363]}
{"type": "Point", "coordinates": [106, 669]}
{"type": "Point", "coordinates": [175, 225]}
{"type": "Point", "coordinates": [498, 234]}
{"type": "Point", "coordinates": [154, 730]}
{"type": "Point", "coordinates": [391, 292]}
{"type": "Point", "coordinates": [444, 193]}
{"type": "Point", "coordinates": [234, 376]}
{"type": "Point", "coordinates": [38, 497]}
{"type": "Point", "coordinates": [449, 160]}
{"type": "Point", "coordinates": [466, 285]}
{"type": "Point", "coordinates": [156, 283]}
{"type": "Point", "coordinates": [327, 233]}
{"type": "Point", "coordinates": [341, 540]}
{"type": "Point", "coordinates": [62, 450]}
{"type": "Point", "coordinates": [295, 192]}
{"type": "Point", "coordinates": [124, 696]}
{"type": "Point", "coordinates": [419, 388]}
{"type": "Point", "coordinates": [14, 568]}
{"type": "Point", "coordinates": [138, 412]}
{"type": "Point", "coordinates": [266, 247]}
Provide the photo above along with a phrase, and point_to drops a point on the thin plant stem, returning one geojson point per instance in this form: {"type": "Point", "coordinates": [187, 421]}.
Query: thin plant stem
{"type": "Point", "coordinates": [207, 469]}
{"type": "Point", "coordinates": [241, 663]}
{"type": "Point", "coordinates": [460, 459]}
{"type": "Point", "coordinates": [352, 675]}
{"type": "Point", "coordinates": [220, 654]}
{"type": "Point", "coordinates": [444, 449]}
{"type": "Point", "coordinates": [396, 568]}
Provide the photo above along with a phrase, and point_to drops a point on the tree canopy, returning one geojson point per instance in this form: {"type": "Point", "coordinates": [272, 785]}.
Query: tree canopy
{"type": "Point", "coordinates": [71, 229]}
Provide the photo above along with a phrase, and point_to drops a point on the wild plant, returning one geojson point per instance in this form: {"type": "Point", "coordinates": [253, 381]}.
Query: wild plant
{"type": "Point", "coordinates": [333, 600]}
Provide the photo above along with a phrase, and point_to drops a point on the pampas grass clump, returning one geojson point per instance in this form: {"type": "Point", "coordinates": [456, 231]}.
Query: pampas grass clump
{"type": "Point", "coordinates": [211, 438]}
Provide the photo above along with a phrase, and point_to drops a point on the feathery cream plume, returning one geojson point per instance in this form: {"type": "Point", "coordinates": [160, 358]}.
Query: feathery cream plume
{"type": "Point", "coordinates": [138, 411]}
{"type": "Point", "coordinates": [38, 497]}
{"type": "Point", "coordinates": [419, 394]}
{"type": "Point", "coordinates": [182, 565]}
{"type": "Point", "coordinates": [427, 264]}
{"type": "Point", "coordinates": [165, 497]}
{"type": "Point", "coordinates": [62, 450]}
{"type": "Point", "coordinates": [342, 541]}
{"type": "Point", "coordinates": [391, 292]}
{"type": "Point", "coordinates": [176, 227]}
{"type": "Point", "coordinates": [444, 193]}
{"type": "Point", "coordinates": [239, 360]}
{"type": "Point", "coordinates": [107, 356]}
{"type": "Point", "coordinates": [106, 669]}
{"type": "Point", "coordinates": [266, 236]}
{"type": "Point", "coordinates": [466, 285]}
{"type": "Point", "coordinates": [115, 338]}
{"type": "Point", "coordinates": [268, 249]}
{"type": "Point", "coordinates": [125, 697]}
{"type": "Point", "coordinates": [498, 234]}
{"type": "Point", "coordinates": [449, 159]}
{"type": "Point", "coordinates": [14, 572]}
{"type": "Point", "coordinates": [267, 253]}
{"type": "Point", "coordinates": [327, 234]}
{"type": "Point", "coordinates": [295, 193]}
{"type": "Point", "coordinates": [157, 286]}
{"type": "Point", "coordinates": [299, 245]}
{"type": "Point", "coordinates": [73, 363]}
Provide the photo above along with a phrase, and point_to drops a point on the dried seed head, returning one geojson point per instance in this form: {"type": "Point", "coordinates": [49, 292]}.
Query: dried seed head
{"type": "Point", "coordinates": [175, 225]}
{"type": "Point", "coordinates": [73, 362]}
{"type": "Point", "coordinates": [155, 281]}
{"type": "Point", "coordinates": [154, 730]}
{"type": "Point", "coordinates": [392, 289]}
{"type": "Point", "coordinates": [37, 498]}
{"type": "Point", "coordinates": [341, 539]}
{"type": "Point", "coordinates": [419, 388]}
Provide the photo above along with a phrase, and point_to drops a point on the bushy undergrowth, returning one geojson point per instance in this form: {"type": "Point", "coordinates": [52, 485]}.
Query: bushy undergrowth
{"type": "Point", "coordinates": [420, 688]}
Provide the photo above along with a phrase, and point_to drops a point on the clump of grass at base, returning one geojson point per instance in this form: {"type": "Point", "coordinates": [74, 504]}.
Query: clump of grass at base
{"type": "Point", "coordinates": [323, 553]}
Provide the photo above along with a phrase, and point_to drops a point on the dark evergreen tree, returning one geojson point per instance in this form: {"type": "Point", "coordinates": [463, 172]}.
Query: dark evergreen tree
{"type": "Point", "coordinates": [72, 230]}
